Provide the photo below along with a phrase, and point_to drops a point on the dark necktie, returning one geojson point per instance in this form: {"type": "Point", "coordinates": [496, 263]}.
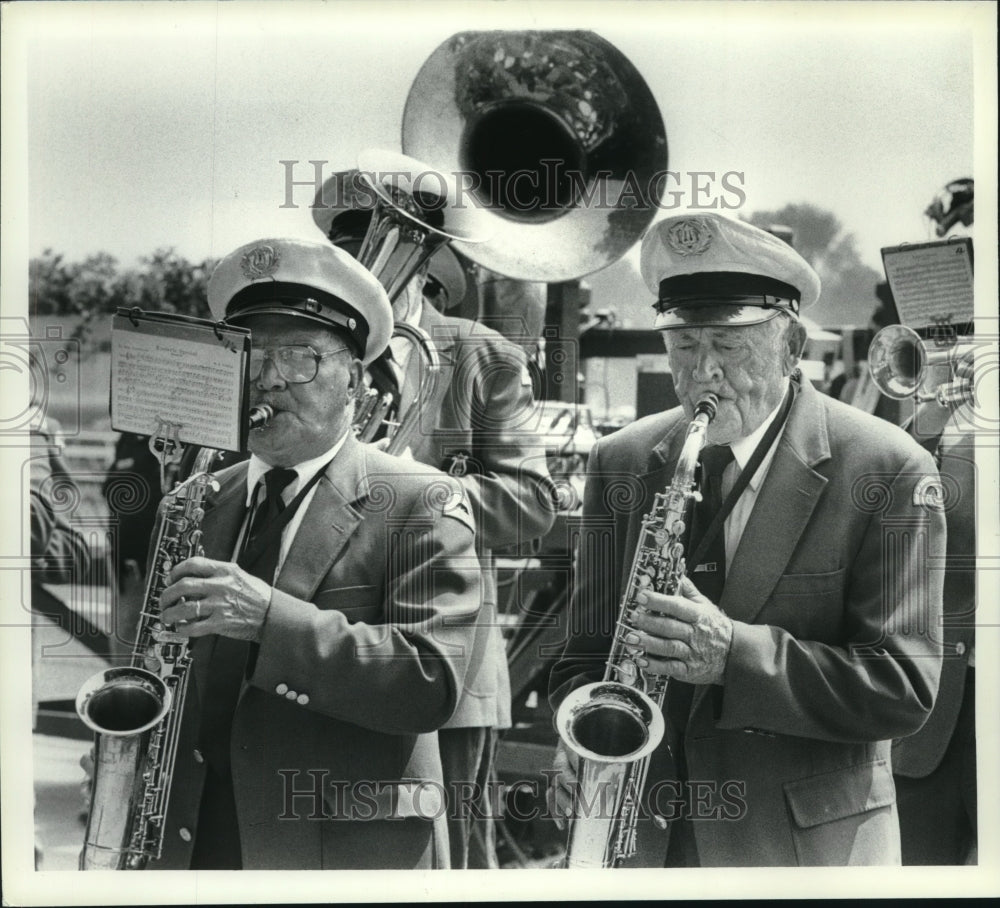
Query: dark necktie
{"type": "Point", "coordinates": [259, 553]}
{"type": "Point", "coordinates": [229, 663]}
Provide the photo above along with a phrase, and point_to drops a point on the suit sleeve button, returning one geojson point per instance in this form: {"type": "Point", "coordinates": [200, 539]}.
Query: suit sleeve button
{"type": "Point", "coordinates": [198, 756]}
{"type": "Point", "coordinates": [185, 833]}
{"type": "Point", "coordinates": [960, 648]}
{"type": "Point", "coordinates": [281, 689]}
{"type": "Point", "coordinates": [291, 695]}
{"type": "Point", "coordinates": [302, 699]}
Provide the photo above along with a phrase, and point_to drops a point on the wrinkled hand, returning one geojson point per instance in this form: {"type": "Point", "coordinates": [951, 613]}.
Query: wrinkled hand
{"type": "Point", "coordinates": [215, 597]}
{"type": "Point", "coordinates": [563, 785]}
{"type": "Point", "coordinates": [685, 636]}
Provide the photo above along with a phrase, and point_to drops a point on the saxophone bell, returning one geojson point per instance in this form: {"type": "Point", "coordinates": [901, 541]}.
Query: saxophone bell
{"type": "Point", "coordinates": [123, 707]}
{"type": "Point", "coordinates": [610, 722]}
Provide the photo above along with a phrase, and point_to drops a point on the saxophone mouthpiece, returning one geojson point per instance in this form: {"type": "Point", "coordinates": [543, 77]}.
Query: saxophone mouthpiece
{"type": "Point", "coordinates": [708, 404]}
{"type": "Point", "coordinates": [261, 416]}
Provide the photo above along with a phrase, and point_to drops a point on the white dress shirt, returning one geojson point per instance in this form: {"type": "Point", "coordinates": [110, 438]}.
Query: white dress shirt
{"type": "Point", "coordinates": [743, 450]}
{"type": "Point", "coordinates": [304, 472]}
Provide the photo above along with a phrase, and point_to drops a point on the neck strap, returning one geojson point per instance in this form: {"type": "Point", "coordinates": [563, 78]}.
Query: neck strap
{"type": "Point", "coordinates": [743, 480]}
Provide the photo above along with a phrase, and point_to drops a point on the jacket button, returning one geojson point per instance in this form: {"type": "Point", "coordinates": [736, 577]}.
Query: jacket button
{"type": "Point", "coordinates": [960, 648]}
{"type": "Point", "coordinates": [302, 699]}
{"type": "Point", "coordinates": [281, 689]}
{"type": "Point", "coordinates": [185, 833]}
{"type": "Point", "coordinates": [291, 695]}
{"type": "Point", "coordinates": [198, 757]}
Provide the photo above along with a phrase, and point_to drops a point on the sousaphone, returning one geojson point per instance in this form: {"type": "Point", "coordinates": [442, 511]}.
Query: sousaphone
{"type": "Point", "coordinates": [560, 138]}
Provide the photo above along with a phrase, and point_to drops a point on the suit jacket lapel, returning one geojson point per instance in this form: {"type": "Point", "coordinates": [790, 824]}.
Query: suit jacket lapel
{"type": "Point", "coordinates": [327, 523]}
{"type": "Point", "coordinates": [784, 505]}
{"type": "Point", "coordinates": [224, 517]}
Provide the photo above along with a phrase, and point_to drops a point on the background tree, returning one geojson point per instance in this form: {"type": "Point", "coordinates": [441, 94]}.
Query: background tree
{"type": "Point", "coordinates": [168, 282]}
{"type": "Point", "coordinates": [77, 291]}
{"type": "Point", "coordinates": [848, 296]}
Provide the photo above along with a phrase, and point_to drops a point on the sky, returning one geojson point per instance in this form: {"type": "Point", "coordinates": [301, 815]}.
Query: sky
{"type": "Point", "coordinates": [163, 124]}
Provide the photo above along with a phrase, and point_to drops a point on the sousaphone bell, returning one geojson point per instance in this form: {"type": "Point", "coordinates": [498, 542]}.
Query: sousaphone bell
{"type": "Point", "coordinates": [559, 137]}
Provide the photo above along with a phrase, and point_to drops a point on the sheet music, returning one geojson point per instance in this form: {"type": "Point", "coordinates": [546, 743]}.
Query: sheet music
{"type": "Point", "coordinates": [931, 282]}
{"type": "Point", "coordinates": [169, 373]}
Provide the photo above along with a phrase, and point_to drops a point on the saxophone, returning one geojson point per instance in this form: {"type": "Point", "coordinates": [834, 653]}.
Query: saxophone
{"type": "Point", "coordinates": [613, 725]}
{"type": "Point", "coordinates": [135, 710]}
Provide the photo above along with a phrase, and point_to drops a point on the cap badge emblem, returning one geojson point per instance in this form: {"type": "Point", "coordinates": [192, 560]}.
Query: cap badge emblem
{"type": "Point", "coordinates": [692, 236]}
{"type": "Point", "coordinates": [260, 262]}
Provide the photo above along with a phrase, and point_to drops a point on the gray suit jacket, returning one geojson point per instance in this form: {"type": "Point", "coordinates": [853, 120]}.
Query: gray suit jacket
{"type": "Point", "coordinates": [372, 620]}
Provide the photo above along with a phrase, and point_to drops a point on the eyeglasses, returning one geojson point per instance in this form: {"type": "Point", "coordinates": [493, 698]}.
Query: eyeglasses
{"type": "Point", "coordinates": [297, 364]}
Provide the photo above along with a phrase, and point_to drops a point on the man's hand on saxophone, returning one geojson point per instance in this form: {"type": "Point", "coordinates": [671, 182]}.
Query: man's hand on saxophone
{"type": "Point", "coordinates": [685, 636]}
{"type": "Point", "coordinates": [215, 597]}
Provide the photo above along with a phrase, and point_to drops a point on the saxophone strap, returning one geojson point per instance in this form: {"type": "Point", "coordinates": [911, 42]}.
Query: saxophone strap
{"type": "Point", "coordinates": [743, 480]}
{"type": "Point", "coordinates": [269, 534]}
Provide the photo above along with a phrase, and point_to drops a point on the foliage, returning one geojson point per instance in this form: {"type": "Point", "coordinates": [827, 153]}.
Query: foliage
{"type": "Point", "coordinates": [168, 282]}
{"type": "Point", "coordinates": [848, 295]}
{"type": "Point", "coordinates": [163, 282]}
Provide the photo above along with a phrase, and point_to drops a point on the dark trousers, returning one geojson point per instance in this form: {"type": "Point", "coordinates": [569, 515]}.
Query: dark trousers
{"type": "Point", "coordinates": [682, 850]}
{"type": "Point", "coordinates": [217, 841]}
{"type": "Point", "coordinates": [467, 761]}
{"type": "Point", "coordinates": [937, 814]}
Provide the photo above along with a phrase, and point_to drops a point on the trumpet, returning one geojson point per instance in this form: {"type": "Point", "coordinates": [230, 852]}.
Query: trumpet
{"type": "Point", "coordinates": [901, 366]}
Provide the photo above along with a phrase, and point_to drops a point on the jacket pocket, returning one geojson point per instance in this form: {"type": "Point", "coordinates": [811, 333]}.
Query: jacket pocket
{"type": "Point", "coordinates": [845, 817]}
{"type": "Point", "coordinates": [809, 584]}
{"type": "Point", "coordinates": [358, 603]}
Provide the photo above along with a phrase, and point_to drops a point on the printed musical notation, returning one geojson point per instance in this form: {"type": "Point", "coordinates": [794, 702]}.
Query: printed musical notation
{"type": "Point", "coordinates": [931, 282]}
{"type": "Point", "coordinates": [188, 373]}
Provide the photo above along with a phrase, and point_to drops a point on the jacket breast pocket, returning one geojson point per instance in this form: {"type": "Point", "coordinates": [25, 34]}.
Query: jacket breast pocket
{"type": "Point", "coordinates": [358, 603]}
{"type": "Point", "coordinates": [813, 584]}
{"type": "Point", "coordinates": [845, 817]}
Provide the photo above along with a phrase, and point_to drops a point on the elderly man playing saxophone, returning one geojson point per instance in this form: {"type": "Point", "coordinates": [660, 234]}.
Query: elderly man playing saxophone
{"type": "Point", "coordinates": [333, 614]}
{"type": "Point", "coordinates": [801, 641]}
